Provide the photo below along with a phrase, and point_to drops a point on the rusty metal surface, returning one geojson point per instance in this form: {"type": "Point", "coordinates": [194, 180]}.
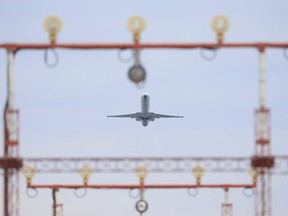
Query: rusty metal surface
{"type": "Point", "coordinates": [11, 163]}
{"type": "Point", "coordinates": [263, 162]}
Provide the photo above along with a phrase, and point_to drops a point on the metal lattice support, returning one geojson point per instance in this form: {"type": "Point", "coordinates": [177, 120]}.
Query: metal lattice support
{"type": "Point", "coordinates": [153, 164]}
{"type": "Point", "coordinates": [11, 162]}
{"type": "Point", "coordinates": [11, 188]}
{"type": "Point", "coordinates": [263, 197]}
{"type": "Point", "coordinates": [263, 162]}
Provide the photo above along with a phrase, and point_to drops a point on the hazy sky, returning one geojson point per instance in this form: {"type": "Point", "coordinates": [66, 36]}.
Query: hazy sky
{"type": "Point", "coordinates": [63, 110]}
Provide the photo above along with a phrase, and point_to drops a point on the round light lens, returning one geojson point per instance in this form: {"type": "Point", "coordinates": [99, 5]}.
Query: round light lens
{"type": "Point", "coordinates": [137, 74]}
{"type": "Point", "coordinates": [28, 171]}
{"type": "Point", "coordinates": [136, 24]}
{"type": "Point", "coordinates": [141, 206]}
{"type": "Point", "coordinates": [220, 24]}
{"type": "Point", "coordinates": [53, 24]}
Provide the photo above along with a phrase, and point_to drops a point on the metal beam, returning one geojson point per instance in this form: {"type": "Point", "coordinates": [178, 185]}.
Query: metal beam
{"type": "Point", "coordinates": [259, 46]}
{"type": "Point", "coordinates": [154, 164]}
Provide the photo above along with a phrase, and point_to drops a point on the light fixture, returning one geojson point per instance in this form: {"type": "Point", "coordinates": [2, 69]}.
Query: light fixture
{"type": "Point", "coordinates": [28, 172]}
{"type": "Point", "coordinates": [85, 172]}
{"type": "Point", "coordinates": [254, 173]}
{"type": "Point", "coordinates": [141, 206]}
{"type": "Point", "coordinates": [137, 73]}
{"type": "Point", "coordinates": [142, 173]}
{"type": "Point", "coordinates": [198, 172]}
{"type": "Point", "coordinates": [136, 25]}
{"type": "Point", "coordinates": [220, 25]}
{"type": "Point", "coordinates": [53, 26]}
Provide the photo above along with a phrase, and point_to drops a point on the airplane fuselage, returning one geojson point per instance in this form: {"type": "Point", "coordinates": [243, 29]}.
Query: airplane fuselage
{"type": "Point", "coordinates": [145, 103]}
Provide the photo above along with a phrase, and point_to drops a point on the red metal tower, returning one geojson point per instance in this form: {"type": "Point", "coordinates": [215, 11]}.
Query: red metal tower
{"type": "Point", "coordinates": [263, 161]}
{"type": "Point", "coordinates": [11, 163]}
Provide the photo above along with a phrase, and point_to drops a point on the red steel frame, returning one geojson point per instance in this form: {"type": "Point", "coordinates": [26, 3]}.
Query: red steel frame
{"type": "Point", "coordinates": [260, 46]}
{"type": "Point", "coordinates": [139, 186]}
{"type": "Point", "coordinates": [11, 164]}
{"type": "Point", "coordinates": [226, 207]}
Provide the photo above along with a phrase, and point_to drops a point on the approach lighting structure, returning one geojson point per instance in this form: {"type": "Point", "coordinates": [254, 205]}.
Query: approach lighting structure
{"type": "Point", "coordinates": [220, 25]}
{"type": "Point", "coordinates": [53, 26]}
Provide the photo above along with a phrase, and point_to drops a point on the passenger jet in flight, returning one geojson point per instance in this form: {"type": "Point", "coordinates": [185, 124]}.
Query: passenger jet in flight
{"type": "Point", "coordinates": [145, 116]}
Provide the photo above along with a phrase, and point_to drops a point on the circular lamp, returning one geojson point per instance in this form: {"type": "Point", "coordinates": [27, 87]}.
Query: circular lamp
{"type": "Point", "coordinates": [141, 206]}
{"type": "Point", "coordinates": [198, 172]}
{"type": "Point", "coordinates": [53, 26]}
{"type": "Point", "coordinates": [254, 173]}
{"type": "Point", "coordinates": [141, 172]}
{"type": "Point", "coordinates": [28, 172]}
{"type": "Point", "coordinates": [137, 73]}
{"type": "Point", "coordinates": [220, 25]}
{"type": "Point", "coordinates": [136, 25]}
{"type": "Point", "coordinates": [85, 172]}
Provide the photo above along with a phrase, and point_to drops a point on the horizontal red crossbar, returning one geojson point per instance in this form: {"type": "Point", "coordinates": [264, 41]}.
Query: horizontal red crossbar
{"type": "Point", "coordinates": [147, 186]}
{"type": "Point", "coordinates": [261, 46]}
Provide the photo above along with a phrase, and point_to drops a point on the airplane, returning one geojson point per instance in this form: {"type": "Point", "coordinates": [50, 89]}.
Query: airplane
{"type": "Point", "coordinates": [145, 116]}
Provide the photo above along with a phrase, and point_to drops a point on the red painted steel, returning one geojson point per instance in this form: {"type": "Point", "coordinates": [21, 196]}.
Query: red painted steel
{"type": "Point", "coordinates": [260, 46]}
{"type": "Point", "coordinates": [262, 135]}
{"type": "Point", "coordinates": [134, 186]}
{"type": "Point", "coordinates": [11, 164]}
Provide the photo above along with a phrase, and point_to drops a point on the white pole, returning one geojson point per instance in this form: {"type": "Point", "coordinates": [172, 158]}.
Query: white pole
{"type": "Point", "coordinates": [262, 77]}
{"type": "Point", "coordinates": [226, 196]}
{"type": "Point", "coordinates": [10, 80]}
{"type": "Point", "coordinates": [57, 206]}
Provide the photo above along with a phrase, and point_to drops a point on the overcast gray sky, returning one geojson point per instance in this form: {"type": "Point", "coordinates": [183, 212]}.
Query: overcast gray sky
{"type": "Point", "coordinates": [63, 110]}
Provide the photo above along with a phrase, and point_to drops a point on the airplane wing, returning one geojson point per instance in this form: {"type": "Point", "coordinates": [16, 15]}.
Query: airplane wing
{"type": "Point", "coordinates": [132, 115]}
{"type": "Point", "coordinates": [157, 115]}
